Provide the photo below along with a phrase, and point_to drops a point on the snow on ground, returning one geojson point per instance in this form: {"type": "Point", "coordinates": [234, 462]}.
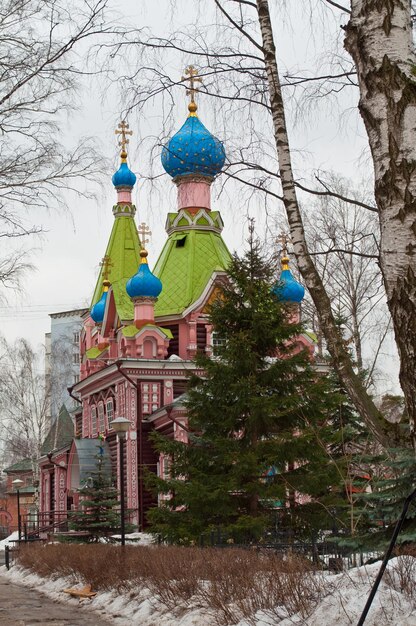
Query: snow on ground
{"type": "Point", "coordinates": [142, 539]}
{"type": "Point", "coordinates": [5, 542]}
{"type": "Point", "coordinates": [343, 599]}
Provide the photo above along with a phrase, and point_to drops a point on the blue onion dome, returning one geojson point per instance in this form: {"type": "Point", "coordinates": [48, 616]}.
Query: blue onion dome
{"type": "Point", "coordinates": [124, 177]}
{"type": "Point", "coordinates": [98, 310]}
{"type": "Point", "coordinates": [193, 150]}
{"type": "Point", "coordinates": [287, 289]}
{"type": "Point", "coordinates": [144, 284]}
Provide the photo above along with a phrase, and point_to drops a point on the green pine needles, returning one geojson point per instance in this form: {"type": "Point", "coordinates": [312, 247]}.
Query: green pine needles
{"type": "Point", "coordinates": [253, 455]}
{"type": "Point", "coordinates": [100, 516]}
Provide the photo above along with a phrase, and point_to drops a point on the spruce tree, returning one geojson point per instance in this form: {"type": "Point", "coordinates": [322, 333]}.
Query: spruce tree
{"type": "Point", "coordinates": [99, 502]}
{"type": "Point", "coordinates": [393, 480]}
{"type": "Point", "coordinates": [253, 417]}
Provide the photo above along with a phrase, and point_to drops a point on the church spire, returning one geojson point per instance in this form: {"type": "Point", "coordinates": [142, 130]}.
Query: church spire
{"type": "Point", "coordinates": [123, 249]}
{"type": "Point", "coordinates": [193, 156]}
{"type": "Point", "coordinates": [287, 289]}
{"type": "Point", "coordinates": [192, 77]}
{"type": "Point", "coordinates": [124, 179]}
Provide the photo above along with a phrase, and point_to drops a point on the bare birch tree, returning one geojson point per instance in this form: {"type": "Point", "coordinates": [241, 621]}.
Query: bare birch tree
{"type": "Point", "coordinates": [239, 52]}
{"type": "Point", "coordinates": [344, 241]}
{"type": "Point", "coordinates": [24, 401]}
{"type": "Point", "coordinates": [379, 39]}
{"type": "Point", "coordinates": [40, 74]}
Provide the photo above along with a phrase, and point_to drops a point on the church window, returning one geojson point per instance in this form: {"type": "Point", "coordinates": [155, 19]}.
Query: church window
{"type": "Point", "coordinates": [101, 423]}
{"type": "Point", "coordinates": [93, 420]}
{"type": "Point", "coordinates": [180, 243]}
{"type": "Point", "coordinates": [75, 337]}
{"type": "Point", "coordinates": [110, 410]}
{"type": "Point", "coordinates": [217, 341]}
{"type": "Point", "coordinates": [150, 397]}
{"type": "Point", "coordinates": [166, 468]}
{"type": "Point", "coordinates": [75, 358]}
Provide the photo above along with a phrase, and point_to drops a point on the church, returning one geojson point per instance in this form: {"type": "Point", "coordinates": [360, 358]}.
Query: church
{"type": "Point", "coordinates": [144, 327]}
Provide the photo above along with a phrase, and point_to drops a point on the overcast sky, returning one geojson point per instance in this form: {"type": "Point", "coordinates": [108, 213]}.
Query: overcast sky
{"type": "Point", "coordinates": [67, 256]}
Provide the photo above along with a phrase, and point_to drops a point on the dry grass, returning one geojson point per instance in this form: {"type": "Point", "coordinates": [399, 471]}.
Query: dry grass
{"type": "Point", "coordinates": [230, 584]}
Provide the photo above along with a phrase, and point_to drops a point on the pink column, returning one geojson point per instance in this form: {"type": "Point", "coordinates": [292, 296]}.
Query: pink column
{"type": "Point", "coordinates": [144, 311]}
{"type": "Point", "coordinates": [194, 193]}
{"type": "Point", "coordinates": [123, 196]}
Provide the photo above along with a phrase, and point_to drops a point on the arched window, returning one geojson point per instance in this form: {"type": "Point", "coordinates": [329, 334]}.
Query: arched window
{"type": "Point", "coordinates": [93, 420]}
{"type": "Point", "coordinates": [101, 422]}
{"type": "Point", "coordinates": [109, 407]}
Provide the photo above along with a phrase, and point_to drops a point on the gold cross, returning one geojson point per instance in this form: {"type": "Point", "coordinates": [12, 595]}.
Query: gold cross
{"type": "Point", "coordinates": [124, 140]}
{"type": "Point", "coordinates": [144, 233]}
{"type": "Point", "coordinates": [284, 239]}
{"type": "Point", "coordinates": [192, 76]}
{"type": "Point", "coordinates": [106, 264]}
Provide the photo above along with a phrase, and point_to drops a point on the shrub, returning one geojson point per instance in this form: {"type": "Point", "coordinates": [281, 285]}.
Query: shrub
{"type": "Point", "coordinates": [230, 583]}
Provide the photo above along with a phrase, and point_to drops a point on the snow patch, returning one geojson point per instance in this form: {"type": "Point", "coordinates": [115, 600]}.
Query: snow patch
{"type": "Point", "coordinates": [343, 599]}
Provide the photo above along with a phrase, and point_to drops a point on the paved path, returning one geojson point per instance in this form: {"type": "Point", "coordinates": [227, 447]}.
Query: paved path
{"type": "Point", "coordinates": [21, 606]}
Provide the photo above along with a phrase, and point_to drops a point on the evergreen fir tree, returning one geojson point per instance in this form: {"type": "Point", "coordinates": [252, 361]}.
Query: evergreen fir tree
{"type": "Point", "coordinates": [253, 418]}
{"type": "Point", "coordinates": [391, 484]}
{"type": "Point", "coordinates": [99, 500]}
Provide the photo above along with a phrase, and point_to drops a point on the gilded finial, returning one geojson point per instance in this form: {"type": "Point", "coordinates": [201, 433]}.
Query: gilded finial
{"type": "Point", "coordinates": [106, 264]}
{"type": "Point", "coordinates": [284, 239]}
{"type": "Point", "coordinates": [124, 131]}
{"type": "Point", "coordinates": [144, 234]}
{"type": "Point", "coordinates": [192, 76]}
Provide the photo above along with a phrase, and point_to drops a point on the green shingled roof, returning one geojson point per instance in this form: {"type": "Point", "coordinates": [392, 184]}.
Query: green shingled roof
{"type": "Point", "coordinates": [132, 330]}
{"type": "Point", "coordinates": [185, 270]}
{"type": "Point", "coordinates": [60, 434]}
{"type": "Point", "coordinates": [124, 251]}
{"type": "Point", "coordinates": [95, 352]}
{"type": "Point", "coordinates": [24, 465]}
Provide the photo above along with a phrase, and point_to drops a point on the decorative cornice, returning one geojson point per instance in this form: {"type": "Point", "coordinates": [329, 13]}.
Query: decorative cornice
{"type": "Point", "coordinates": [199, 220]}
{"type": "Point", "coordinates": [124, 209]}
{"type": "Point", "coordinates": [193, 178]}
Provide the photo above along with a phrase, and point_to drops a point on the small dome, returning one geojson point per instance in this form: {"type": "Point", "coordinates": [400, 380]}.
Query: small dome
{"type": "Point", "coordinates": [98, 310]}
{"type": "Point", "coordinates": [124, 177]}
{"type": "Point", "coordinates": [287, 289]}
{"type": "Point", "coordinates": [193, 150]}
{"type": "Point", "coordinates": [144, 284]}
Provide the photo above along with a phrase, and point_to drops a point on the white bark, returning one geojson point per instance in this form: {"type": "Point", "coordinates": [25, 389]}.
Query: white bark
{"type": "Point", "coordinates": [379, 38]}
{"type": "Point", "coordinates": [335, 343]}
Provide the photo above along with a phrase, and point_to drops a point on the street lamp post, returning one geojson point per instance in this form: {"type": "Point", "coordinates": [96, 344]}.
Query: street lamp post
{"type": "Point", "coordinates": [121, 425]}
{"type": "Point", "coordinates": [17, 484]}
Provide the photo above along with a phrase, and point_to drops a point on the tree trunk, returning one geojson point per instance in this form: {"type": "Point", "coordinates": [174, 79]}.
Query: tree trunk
{"type": "Point", "coordinates": [379, 39]}
{"type": "Point", "coordinates": [336, 346]}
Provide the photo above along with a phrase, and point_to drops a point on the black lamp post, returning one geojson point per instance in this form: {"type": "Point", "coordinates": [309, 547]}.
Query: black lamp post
{"type": "Point", "coordinates": [121, 425]}
{"type": "Point", "coordinates": [17, 484]}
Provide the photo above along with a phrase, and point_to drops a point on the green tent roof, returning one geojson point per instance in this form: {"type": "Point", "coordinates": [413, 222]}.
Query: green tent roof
{"type": "Point", "coordinates": [185, 266]}
{"type": "Point", "coordinates": [60, 434]}
{"type": "Point", "coordinates": [124, 251]}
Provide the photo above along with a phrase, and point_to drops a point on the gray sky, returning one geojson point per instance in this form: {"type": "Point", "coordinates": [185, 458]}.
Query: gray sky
{"type": "Point", "coordinates": [68, 254]}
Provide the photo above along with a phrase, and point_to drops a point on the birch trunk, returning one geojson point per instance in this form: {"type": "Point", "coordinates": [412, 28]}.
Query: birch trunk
{"type": "Point", "coordinates": [379, 39]}
{"type": "Point", "coordinates": [336, 346]}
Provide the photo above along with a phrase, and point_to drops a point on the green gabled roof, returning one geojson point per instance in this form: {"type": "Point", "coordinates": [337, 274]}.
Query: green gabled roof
{"type": "Point", "coordinates": [132, 330]}
{"type": "Point", "coordinates": [95, 352]}
{"type": "Point", "coordinates": [60, 434]}
{"type": "Point", "coordinates": [124, 251]}
{"type": "Point", "coordinates": [25, 465]}
{"type": "Point", "coordinates": [186, 270]}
